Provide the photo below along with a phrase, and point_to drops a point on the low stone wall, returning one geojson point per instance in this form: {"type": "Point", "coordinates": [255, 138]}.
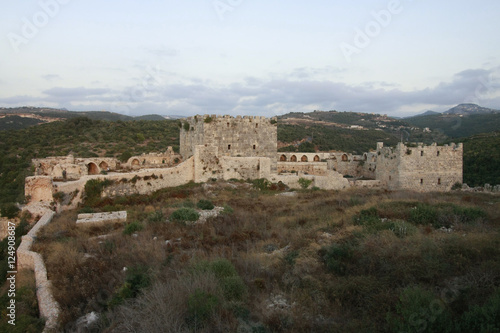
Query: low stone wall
{"type": "Point", "coordinates": [312, 168]}
{"type": "Point", "coordinates": [366, 183]}
{"type": "Point", "coordinates": [120, 216]}
{"type": "Point", "coordinates": [26, 259]}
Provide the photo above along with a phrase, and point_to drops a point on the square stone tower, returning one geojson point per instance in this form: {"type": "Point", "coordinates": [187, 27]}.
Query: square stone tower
{"type": "Point", "coordinates": [247, 136]}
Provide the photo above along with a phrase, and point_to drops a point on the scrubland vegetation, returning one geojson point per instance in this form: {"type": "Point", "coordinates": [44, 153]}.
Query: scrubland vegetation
{"type": "Point", "coordinates": [315, 261]}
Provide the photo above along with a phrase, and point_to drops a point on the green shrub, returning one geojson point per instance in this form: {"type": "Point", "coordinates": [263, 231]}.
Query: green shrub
{"type": "Point", "coordinates": [137, 278]}
{"type": "Point", "coordinates": [304, 183]}
{"type": "Point", "coordinates": [185, 214]}
{"type": "Point", "coordinates": [93, 191]}
{"type": "Point", "coordinates": [156, 217]}
{"type": "Point", "coordinates": [201, 306]}
{"type": "Point", "coordinates": [423, 214]}
{"type": "Point", "coordinates": [401, 229]}
{"type": "Point", "coordinates": [228, 209]}
{"type": "Point", "coordinates": [231, 284]}
{"type": "Point", "coordinates": [261, 184]}
{"type": "Point", "coordinates": [233, 287]}
{"type": "Point", "coordinates": [336, 257]}
{"type": "Point", "coordinates": [457, 186]}
{"type": "Point", "coordinates": [132, 227]}
{"type": "Point", "coordinates": [367, 217]}
{"type": "Point", "coordinates": [9, 210]}
{"type": "Point", "coordinates": [485, 318]}
{"type": "Point", "coordinates": [419, 310]}
{"type": "Point", "coordinates": [205, 204]}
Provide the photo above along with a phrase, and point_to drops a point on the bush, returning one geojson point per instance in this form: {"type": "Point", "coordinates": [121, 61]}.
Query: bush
{"type": "Point", "coordinates": [231, 284]}
{"type": "Point", "coordinates": [423, 214]}
{"type": "Point", "coordinates": [420, 310]}
{"type": "Point", "coordinates": [137, 278]}
{"type": "Point", "coordinates": [484, 318]}
{"type": "Point", "coordinates": [304, 183]}
{"type": "Point", "coordinates": [261, 184]}
{"type": "Point", "coordinates": [201, 306]}
{"type": "Point", "coordinates": [93, 191]}
{"type": "Point", "coordinates": [9, 210]}
{"type": "Point", "coordinates": [132, 227]}
{"type": "Point", "coordinates": [336, 257]}
{"type": "Point", "coordinates": [205, 204]}
{"type": "Point", "coordinates": [185, 214]}
{"type": "Point", "coordinates": [156, 217]}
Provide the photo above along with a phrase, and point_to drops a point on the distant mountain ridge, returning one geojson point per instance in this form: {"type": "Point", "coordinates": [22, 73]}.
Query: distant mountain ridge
{"type": "Point", "coordinates": [26, 116]}
{"type": "Point", "coordinates": [470, 109]}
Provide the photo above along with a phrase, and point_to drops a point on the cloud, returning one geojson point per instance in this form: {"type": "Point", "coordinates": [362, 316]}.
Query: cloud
{"type": "Point", "coordinates": [274, 96]}
{"type": "Point", "coordinates": [79, 92]}
{"type": "Point", "coordinates": [51, 77]}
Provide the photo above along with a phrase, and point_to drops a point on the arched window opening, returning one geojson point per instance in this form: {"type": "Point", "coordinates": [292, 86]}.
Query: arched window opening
{"type": "Point", "coordinates": [304, 158]}
{"type": "Point", "coordinates": [92, 169]}
{"type": "Point", "coordinates": [293, 158]}
{"type": "Point", "coordinates": [283, 158]}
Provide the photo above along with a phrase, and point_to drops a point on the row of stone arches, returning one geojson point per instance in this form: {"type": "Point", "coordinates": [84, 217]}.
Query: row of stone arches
{"type": "Point", "coordinates": [293, 158]}
{"type": "Point", "coordinates": [93, 169]}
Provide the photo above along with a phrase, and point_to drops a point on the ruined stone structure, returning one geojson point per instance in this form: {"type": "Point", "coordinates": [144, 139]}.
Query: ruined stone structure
{"type": "Point", "coordinates": [71, 168]}
{"type": "Point", "coordinates": [420, 168]}
{"type": "Point", "coordinates": [225, 147]}
{"type": "Point", "coordinates": [233, 137]}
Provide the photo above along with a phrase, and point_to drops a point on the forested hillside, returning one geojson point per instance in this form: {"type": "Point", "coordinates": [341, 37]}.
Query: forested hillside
{"type": "Point", "coordinates": [81, 137]}
{"type": "Point", "coordinates": [458, 126]}
{"type": "Point", "coordinates": [482, 159]}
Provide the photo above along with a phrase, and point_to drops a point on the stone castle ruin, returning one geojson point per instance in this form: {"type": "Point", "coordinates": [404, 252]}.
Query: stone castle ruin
{"type": "Point", "coordinates": [225, 147]}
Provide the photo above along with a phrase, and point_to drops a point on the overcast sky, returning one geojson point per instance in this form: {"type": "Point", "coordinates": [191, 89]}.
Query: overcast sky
{"type": "Point", "coordinates": [395, 57]}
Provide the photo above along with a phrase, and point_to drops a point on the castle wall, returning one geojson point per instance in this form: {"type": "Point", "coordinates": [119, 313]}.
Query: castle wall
{"type": "Point", "coordinates": [154, 160]}
{"type": "Point", "coordinates": [39, 188]}
{"type": "Point", "coordinates": [147, 181]}
{"type": "Point", "coordinates": [68, 167]}
{"type": "Point", "coordinates": [235, 137]}
{"type": "Point", "coordinates": [421, 168]}
{"type": "Point", "coordinates": [312, 168]}
{"type": "Point", "coordinates": [430, 168]}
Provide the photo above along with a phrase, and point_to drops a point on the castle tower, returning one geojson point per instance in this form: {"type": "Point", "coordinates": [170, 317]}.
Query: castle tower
{"type": "Point", "coordinates": [247, 136]}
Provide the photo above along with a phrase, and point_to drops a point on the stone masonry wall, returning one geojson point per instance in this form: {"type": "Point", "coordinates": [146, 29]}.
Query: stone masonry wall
{"type": "Point", "coordinates": [421, 168]}
{"type": "Point", "coordinates": [430, 168]}
{"type": "Point", "coordinates": [26, 259]}
{"type": "Point", "coordinates": [312, 168]}
{"type": "Point", "coordinates": [236, 137]}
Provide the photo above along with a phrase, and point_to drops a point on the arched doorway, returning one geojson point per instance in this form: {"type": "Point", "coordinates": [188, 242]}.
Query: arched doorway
{"type": "Point", "coordinates": [283, 158]}
{"type": "Point", "coordinates": [103, 165]}
{"type": "Point", "coordinates": [293, 158]}
{"type": "Point", "coordinates": [303, 158]}
{"type": "Point", "coordinates": [92, 168]}
{"type": "Point", "coordinates": [344, 158]}
{"type": "Point", "coordinates": [316, 158]}
{"type": "Point", "coordinates": [135, 162]}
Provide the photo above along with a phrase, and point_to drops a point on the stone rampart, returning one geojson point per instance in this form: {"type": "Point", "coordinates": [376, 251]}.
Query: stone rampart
{"type": "Point", "coordinates": [26, 259]}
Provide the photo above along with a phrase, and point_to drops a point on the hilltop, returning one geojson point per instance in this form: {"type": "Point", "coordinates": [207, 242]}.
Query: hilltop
{"type": "Point", "coordinates": [27, 116]}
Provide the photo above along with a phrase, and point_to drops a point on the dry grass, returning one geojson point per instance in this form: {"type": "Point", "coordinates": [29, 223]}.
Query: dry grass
{"type": "Point", "coordinates": [280, 246]}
